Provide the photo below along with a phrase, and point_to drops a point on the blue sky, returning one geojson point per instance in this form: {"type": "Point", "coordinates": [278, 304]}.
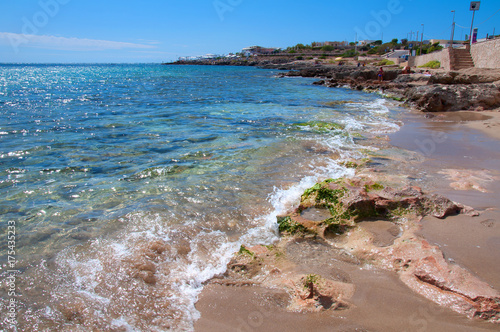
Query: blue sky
{"type": "Point", "coordinates": [62, 31]}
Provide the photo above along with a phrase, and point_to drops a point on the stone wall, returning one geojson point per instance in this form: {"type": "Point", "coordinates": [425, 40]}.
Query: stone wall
{"type": "Point", "coordinates": [486, 54]}
{"type": "Point", "coordinates": [442, 56]}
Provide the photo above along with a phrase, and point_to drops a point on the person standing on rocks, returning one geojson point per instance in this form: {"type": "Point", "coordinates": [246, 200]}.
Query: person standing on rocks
{"type": "Point", "coordinates": [381, 74]}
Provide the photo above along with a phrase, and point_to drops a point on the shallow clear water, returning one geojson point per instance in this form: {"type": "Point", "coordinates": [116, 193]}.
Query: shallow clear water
{"type": "Point", "coordinates": [131, 185]}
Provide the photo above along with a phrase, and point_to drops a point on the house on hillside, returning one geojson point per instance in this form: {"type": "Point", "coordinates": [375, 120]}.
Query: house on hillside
{"type": "Point", "coordinates": [330, 43]}
{"type": "Point", "coordinates": [210, 56]}
{"type": "Point", "coordinates": [335, 43]}
{"type": "Point", "coordinates": [365, 42]}
{"type": "Point", "coordinates": [259, 50]}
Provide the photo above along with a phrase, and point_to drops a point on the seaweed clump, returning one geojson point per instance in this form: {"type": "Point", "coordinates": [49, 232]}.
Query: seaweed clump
{"type": "Point", "coordinates": [348, 201]}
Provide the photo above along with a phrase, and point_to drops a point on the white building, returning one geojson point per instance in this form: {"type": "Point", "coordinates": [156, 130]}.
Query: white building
{"type": "Point", "coordinates": [365, 42]}
{"type": "Point", "coordinates": [258, 50]}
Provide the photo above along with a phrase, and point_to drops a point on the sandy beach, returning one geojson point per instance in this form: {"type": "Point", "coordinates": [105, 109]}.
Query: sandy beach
{"type": "Point", "coordinates": [453, 154]}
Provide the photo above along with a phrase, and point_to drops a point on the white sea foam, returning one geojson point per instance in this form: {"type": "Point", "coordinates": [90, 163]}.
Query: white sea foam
{"type": "Point", "coordinates": [373, 118]}
{"type": "Point", "coordinates": [379, 106]}
{"type": "Point", "coordinates": [205, 264]}
{"type": "Point", "coordinates": [122, 324]}
{"type": "Point", "coordinates": [283, 200]}
{"type": "Point", "coordinates": [101, 274]}
{"type": "Point", "coordinates": [352, 124]}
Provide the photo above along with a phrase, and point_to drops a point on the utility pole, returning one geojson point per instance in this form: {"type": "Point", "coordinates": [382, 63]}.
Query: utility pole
{"type": "Point", "coordinates": [452, 29]}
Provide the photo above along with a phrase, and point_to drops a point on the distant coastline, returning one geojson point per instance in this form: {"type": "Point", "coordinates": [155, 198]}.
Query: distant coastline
{"type": "Point", "coordinates": [428, 90]}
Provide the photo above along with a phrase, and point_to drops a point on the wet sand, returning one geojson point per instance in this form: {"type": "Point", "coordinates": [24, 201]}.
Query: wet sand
{"type": "Point", "coordinates": [382, 303]}
{"type": "Point", "coordinates": [489, 126]}
{"type": "Point", "coordinates": [471, 151]}
{"type": "Point", "coordinates": [462, 162]}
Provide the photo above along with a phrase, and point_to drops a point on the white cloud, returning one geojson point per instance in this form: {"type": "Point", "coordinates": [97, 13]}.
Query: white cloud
{"type": "Point", "coordinates": [17, 40]}
{"type": "Point", "coordinates": [152, 42]}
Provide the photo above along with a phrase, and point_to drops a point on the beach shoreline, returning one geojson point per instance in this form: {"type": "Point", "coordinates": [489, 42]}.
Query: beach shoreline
{"type": "Point", "coordinates": [458, 159]}
{"type": "Point", "coordinates": [149, 230]}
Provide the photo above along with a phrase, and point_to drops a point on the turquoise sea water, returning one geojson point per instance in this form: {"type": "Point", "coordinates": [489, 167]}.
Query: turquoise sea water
{"type": "Point", "coordinates": [131, 185]}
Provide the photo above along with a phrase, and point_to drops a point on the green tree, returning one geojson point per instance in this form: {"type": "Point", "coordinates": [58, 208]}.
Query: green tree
{"type": "Point", "coordinates": [435, 47]}
{"type": "Point", "coordinates": [384, 48]}
{"type": "Point", "coordinates": [327, 48]}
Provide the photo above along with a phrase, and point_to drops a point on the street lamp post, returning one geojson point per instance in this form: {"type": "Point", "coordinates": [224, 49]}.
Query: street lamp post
{"type": "Point", "coordinates": [356, 44]}
{"type": "Point", "coordinates": [474, 6]}
{"type": "Point", "coordinates": [422, 40]}
{"type": "Point", "coordinates": [453, 29]}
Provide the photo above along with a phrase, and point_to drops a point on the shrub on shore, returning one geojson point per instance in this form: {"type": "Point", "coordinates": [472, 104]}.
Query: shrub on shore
{"type": "Point", "coordinates": [431, 64]}
{"type": "Point", "coordinates": [385, 63]}
{"type": "Point", "coordinates": [350, 54]}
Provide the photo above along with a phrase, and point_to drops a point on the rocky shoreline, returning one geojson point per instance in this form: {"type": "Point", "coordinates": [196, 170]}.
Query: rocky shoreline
{"type": "Point", "coordinates": [439, 91]}
{"type": "Point", "coordinates": [427, 90]}
{"type": "Point", "coordinates": [344, 229]}
{"type": "Point", "coordinates": [329, 218]}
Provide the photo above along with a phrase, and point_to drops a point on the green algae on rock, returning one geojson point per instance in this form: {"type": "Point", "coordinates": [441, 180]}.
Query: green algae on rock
{"type": "Point", "coordinates": [288, 225]}
{"type": "Point", "coordinates": [244, 251]}
{"type": "Point", "coordinates": [345, 202]}
{"type": "Point", "coordinates": [320, 126]}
